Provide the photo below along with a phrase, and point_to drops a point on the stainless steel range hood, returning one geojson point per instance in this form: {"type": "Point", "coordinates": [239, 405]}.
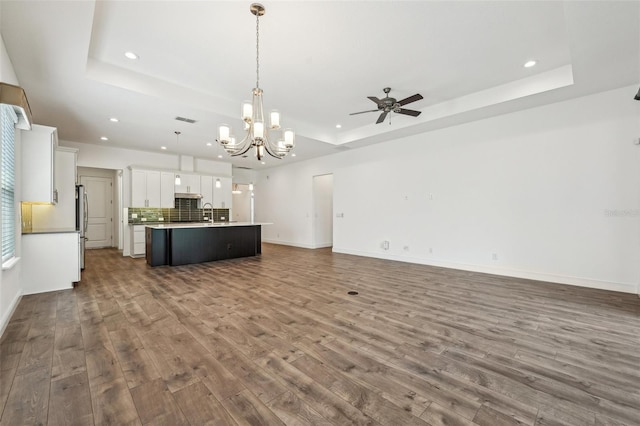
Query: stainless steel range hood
{"type": "Point", "coordinates": [15, 97]}
{"type": "Point", "coordinates": [188, 195]}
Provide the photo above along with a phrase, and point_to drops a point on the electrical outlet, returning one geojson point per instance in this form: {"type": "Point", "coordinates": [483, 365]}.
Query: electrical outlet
{"type": "Point", "coordinates": [430, 250]}
{"type": "Point", "coordinates": [134, 215]}
{"type": "Point", "coordinates": [406, 248]}
{"type": "Point", "coordinates": [494, 256]}
{"type": "Point", "coordinates": [385, 245]}
{"type": "Point", "coordinates": [144, 219]}
{"type": "Point", "coordinates": [431, 196]}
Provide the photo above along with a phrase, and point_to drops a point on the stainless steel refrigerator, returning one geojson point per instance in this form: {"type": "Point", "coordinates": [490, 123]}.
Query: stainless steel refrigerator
{"type": "Point", "coordinates": [82, 219]}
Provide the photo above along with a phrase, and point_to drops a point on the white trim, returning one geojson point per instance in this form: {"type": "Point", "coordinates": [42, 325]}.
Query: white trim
{"type": "Point", "coordinates": [10, 263]}
{"type": "Point", "coordinates": [4, 321]}
{"type": "Point", "coordinates": [516, 273]}
{"type": "Point", "coordinates": [322, 245]}
{"type": "Point", "coordinates": [288, 243]}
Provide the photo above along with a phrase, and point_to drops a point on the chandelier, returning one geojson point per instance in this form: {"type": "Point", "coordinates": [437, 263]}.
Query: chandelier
{"type": "Point", "coordinates": [257, 135]}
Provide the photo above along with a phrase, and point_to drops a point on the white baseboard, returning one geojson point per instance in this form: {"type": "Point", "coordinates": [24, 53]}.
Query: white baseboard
{"type": "Point", "coordinates": [4, 321]}
{"type": "Point", "coordinates": [292, 244]}
{"type": "Point", "coordinates": [516, 273]}
{"type": "Point", "coordinates": [288, 243]}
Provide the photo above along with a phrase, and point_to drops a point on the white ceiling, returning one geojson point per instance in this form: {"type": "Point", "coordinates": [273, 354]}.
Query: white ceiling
{"type": "Point", "coordinates": [319, 62]}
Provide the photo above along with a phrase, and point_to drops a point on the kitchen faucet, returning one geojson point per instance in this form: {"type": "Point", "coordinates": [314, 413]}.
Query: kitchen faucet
{"type": "Point", "coordinates": [204, 206]}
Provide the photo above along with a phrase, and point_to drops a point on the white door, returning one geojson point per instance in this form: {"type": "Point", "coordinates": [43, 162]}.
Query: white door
{"type": "Point", "coordinates": [323, 211]}
{"type": "Point", "coordinates": [99, 192]}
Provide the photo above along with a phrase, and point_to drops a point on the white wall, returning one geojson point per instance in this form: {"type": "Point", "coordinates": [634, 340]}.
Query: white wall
{"type": "Point", "coordinates": [10, 287]}
{"type": "Point", "coordinates": [553, 191]}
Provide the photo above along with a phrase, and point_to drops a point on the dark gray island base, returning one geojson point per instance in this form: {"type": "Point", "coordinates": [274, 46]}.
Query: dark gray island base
{"type": "Point", "coordinates": [181, 245]}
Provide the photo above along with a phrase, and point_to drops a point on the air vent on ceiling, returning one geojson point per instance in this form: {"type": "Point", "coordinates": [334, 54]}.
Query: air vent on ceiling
{"type": "Point", "coordinates": [243, 168]}
{"type": "Point", "coordinates": [186, 120]}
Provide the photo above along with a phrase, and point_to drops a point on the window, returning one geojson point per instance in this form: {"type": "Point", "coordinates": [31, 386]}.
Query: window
{"type": "Point", "coordinates": [8, 181]}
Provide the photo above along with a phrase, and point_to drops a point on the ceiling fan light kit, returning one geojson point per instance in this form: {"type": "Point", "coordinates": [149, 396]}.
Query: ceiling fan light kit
{"type": "Point", "coordinates": [389, 104]}
{"type": "Point", "coordinates": [252, 113]}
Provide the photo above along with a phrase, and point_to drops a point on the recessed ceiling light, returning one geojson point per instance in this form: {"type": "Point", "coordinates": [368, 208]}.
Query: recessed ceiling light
{"type": "Point", "coordinates": [262, 162]}
{"type": "Point", "coordinates": [293, 155]}
{"type": "Point", "coordinates": [338, 126]}
{"type": "Point", "coordinates": [530, 63]}
{"type": "Point", "coordinates": [219, 155]}
{"type": "Point", "coordinates": [104, 138]}
{"type": "Point", "coordinates": [113, 119]}
{"type": "Point", "coordinates": [209, 143]}
{"type": "Point", "coordinates": [163, 147]}
{"type": "Point", "coordinates": [131, 55]}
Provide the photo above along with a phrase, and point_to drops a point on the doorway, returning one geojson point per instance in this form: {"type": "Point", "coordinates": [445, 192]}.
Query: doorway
{"type": "Point", "coordinates": [98, 184]}
{"type": "Point", "coordinates": [323, 211]}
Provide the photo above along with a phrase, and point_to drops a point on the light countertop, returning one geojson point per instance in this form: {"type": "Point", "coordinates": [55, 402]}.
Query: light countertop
{"type": "Point", "coordinates": [205, 225]}
{"type": "Point", "coordinates": [49, 231]}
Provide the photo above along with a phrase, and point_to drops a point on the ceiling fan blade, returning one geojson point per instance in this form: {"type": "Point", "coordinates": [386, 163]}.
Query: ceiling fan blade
{"type": "Point", "coordinates": [410, 112]}
{"type": "Point", "coordinates": [382, 117]}
{"type": "Point", "coordinates": [374, 99]}
{"type": "Point", "coordinates": [362, 112]}
{"type": "Point", "coordinates": [410, 99]}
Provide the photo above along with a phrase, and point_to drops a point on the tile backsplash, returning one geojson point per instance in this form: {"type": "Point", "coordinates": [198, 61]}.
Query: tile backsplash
{"type": "Point", "coordinates": [186, 210]}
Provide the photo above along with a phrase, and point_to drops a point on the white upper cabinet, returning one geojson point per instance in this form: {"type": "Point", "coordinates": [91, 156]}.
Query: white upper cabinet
{"type": "Point", "coordinates": [219, 197]}
{"type": "Point", "coordinates": [151, 188]}
{"type": "Point", "coordinates": [138, 188]}
{"type": "Point", "coordinates": [222, 196]}
{"type": "Point", "coordinates": [38, 164]}
{"type": "Point", "coordinates": [206, 188]}
{"type": "Point", "coordinates": [167, 193]}
{"type": "Point", "coordinates": [189, 184]}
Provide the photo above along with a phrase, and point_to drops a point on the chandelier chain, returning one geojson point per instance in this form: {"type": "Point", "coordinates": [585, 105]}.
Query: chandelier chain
{"type": "Point", "coordinates": [257, 50]}
{"type": "Point", "coordinates": [257, 132]}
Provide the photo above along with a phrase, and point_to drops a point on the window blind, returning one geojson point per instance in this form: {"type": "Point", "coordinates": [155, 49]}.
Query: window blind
{"type": "Point", "coordinates": [8, 181]}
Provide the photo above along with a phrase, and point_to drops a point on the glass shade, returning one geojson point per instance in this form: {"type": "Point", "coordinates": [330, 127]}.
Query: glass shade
{"type": "Point", "coordinates": [223, 133]}
{"type": "Point", "coordinates": [258, 130]}
{"type": "Point", "coordinates": [275, 119]}
{"type": "Point", "coordinates": [247, 111]}
{"type": "Point", "coordinates": [289, 139]}
{"type": "Point", "coordinates": [218, 183]}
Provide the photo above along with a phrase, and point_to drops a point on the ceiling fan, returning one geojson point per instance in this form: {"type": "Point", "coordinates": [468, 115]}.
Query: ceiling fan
{"type": "Point", "coordinates": [387, 105]}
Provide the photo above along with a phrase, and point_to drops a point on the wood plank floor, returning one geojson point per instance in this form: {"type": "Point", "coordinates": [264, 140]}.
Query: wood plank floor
{"type": "Point", "coordinates": [276, 339]}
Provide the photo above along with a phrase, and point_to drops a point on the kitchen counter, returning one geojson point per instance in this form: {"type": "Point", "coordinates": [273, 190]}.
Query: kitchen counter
{"type": "Point", "coordinates": [202, 224]}
{"type": "Point", "coordinates": [49, 231]}
{"type": "Point", "coordinates": [185, 243]}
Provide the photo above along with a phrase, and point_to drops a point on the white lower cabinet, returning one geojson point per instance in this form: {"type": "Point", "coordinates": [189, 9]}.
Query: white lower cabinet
{"type": "Point", "coordinates": [50, 261]}
{"type": "Point", "coordinates": [137, 240]}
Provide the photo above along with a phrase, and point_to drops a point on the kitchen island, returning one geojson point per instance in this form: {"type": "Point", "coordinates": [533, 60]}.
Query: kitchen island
{"type": "Point", "coordinates": [184, 243]}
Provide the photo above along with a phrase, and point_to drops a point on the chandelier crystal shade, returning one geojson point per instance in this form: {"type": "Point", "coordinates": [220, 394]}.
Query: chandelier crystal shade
{"type": "Point", "coordinates": [266, 138]}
